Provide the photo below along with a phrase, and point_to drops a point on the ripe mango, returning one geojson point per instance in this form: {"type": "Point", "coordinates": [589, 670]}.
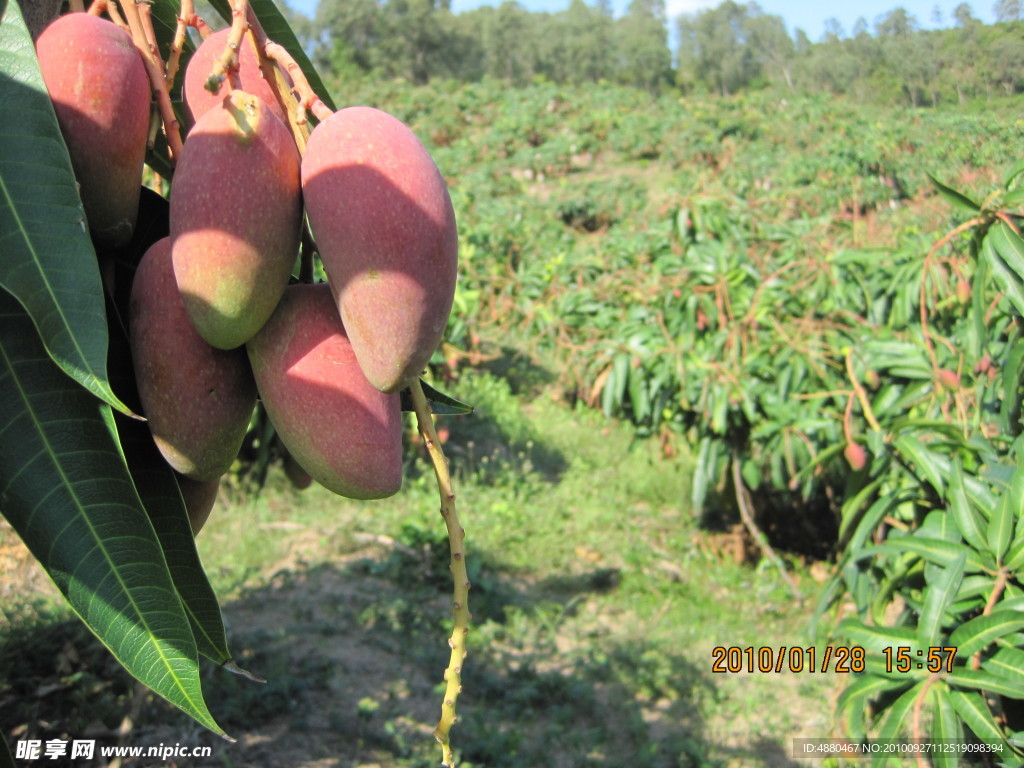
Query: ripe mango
{"type": "Point", "coordinates": [297, 476]}
{"type": "Point", "coordinates": [335, 424]}
{"type": "Point", "coordinates": [383, 222]}
{"type": "Point", "coordinates": [197, 399]}
{"type": "Point", "coordinates": [101, 94]}
{"type": "Point", "coordinates": [199, 498]}
{"type": "Point", "coordinates": [234, 218]}
{"type": "Point", "coordinates": [198, 100]}
{"type": "Point", "coordinates": [855, 456]}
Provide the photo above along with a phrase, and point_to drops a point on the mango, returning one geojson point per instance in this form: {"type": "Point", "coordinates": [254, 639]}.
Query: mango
{"type": "Point", "coordinates": [297, 476]}
{"type": "Point", "coordinates": [855, 456]}
{"type": "Point", "coordinates": [198, 100]}
{"type": "Point", "coordinates": [199, 498]}
{"type": "Point", "coordinates": [383, 222]}
{"type": "Point", "coordinates": [197, 399]}
{"type": "Point", "coordinates": [234, 218]}
{"type": "Point", "coordinates": [101, 94]}
{"type": "Point", "coordinates": [345, 433]}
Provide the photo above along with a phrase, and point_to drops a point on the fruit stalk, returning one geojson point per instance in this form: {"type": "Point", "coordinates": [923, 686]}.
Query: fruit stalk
{"type": "Point", "coordinates": [187, 18]}
{"type": "Point", "coordinates": [862, 396]}
{"type": "Point", "coordinates": [98, 7]}
{"type": "Point", "coordinates": [228, 61]}
{"type": "Point", "coordinates": [456, 543]}
{"type": "Point", "coordinates": [308, 100]}
{"type": "Point", "coordinates": [155, 70]}
{"type": "Point", "coordinates": [272, 71]}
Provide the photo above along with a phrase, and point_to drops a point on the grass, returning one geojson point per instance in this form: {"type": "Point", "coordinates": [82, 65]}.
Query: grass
{"type": "Point", "coordinates": [597, 601]}
{"type": "Point", "coordinates": [598, 596]}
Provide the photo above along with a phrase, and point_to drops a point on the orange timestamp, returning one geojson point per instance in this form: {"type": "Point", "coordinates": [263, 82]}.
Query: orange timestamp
{"type": "Point", "coordinates": [839, 659]}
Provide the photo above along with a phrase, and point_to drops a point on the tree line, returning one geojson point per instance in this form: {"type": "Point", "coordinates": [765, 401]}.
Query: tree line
{"type": "Point", "coordinates": [730, 48]}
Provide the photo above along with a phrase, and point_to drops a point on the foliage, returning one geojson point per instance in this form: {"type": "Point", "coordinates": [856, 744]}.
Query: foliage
{"type": "Point", "coordinates": [83, 485]}
{"type": "Point", "coordinates": [801, 303]}
{"type": "Point", "coordinates": [730, 48]}
{"type": "Point", "coordinates": [932, 527]}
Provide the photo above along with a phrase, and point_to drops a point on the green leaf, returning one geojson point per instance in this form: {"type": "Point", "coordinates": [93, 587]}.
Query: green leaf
{"type": "Point", "coordinates": [278, 30]}
{"type": "Point", "coordinates": [977, 633]}
{"type": "Point", "coordinates": [1013, 376]}
{"type": "Point", "coordinates": [924, 459]}
{"type": "Point", "coordinates": [964, 516]}
{"type": "Point", "coordinates": [48, 263]}
{"type": "Point", "coordinates": [1007, 663]}
{"type": "Point", "coordinates": [946, 727]}
{"type": "Point", "coordinates": [67, 493]}
{"type": "Point", "coordinates": [874, 638]}
{"type": "Point", "coordinates": [976, 715]}
{"type": "Point", "coordinates": [1004, 253]}
{"type": "Point", "coordinates": [1000, 526]}
{"type": "Point", "coordinates": [1015, 556]}
{"type": "Point", "coordinates": [937, 598]}
{"type": "Point", "coordinates": [986, 681]}
{"type": "Point", "coordinates": [159, 492]}
{"type": "Point", "coordinates": [704, 470]}
{"type": "Point", "coordinates": [956, 198]}
{"type": "Point", "coordinates": [895, 714]}
{"type": "Point", "coordinates": [865, 688]}
{"type": "Point", "coordinates": [440, 403]}
{"type": "Point", "coordinates": [938, 551]}
{"type": "Point", "coordinates": [1016, 170]}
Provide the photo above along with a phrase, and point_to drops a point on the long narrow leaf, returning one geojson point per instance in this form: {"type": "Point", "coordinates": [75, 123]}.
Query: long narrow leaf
{"type": "Point", "coordinates": [975, 713]}
{"type": "Point", "coordinates": [981, 631]}
{"type": "Point", "coordinates": [864, 689]}
{"type": "Point", "coordinates": [1004, 254]}
{"type": "Point", "coordinates": [946, 727]}
{"type": "Point", "coordinates": [923, 459]}
{"type": "Point", "coordinates": [875, 638]}
{"type": "Point", "coordinates": [895, 715]}
{"type": "Point", "coordinates": [48, 263]}
{"type": "Point", "coordinates": [986, 681]}
{"type": "Point", "coordinates": [155, 483]}
{"type": "Point", "coordinates": [937, 598]}
{"type": "Point", "coordinates": [967, 521]}
{"type": "Point", "coordinates": [67, 493]}
{"type": "Point", "coordinates": [937, 551]}
{"type": "Point", "coordinates": [1000, 527]}
{"type": "Point", "coordinates": [956, 198]}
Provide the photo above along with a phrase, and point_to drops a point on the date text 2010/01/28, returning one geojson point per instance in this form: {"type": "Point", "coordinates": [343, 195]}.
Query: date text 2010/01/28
{"type": "Point", "coordinates": [839, 659]}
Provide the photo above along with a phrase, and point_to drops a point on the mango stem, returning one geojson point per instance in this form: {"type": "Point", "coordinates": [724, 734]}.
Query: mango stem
{"type": "Point", "coordinates": [456, 544]}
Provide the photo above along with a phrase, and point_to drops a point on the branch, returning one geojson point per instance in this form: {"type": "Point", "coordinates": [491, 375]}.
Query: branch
{"type": "Point", "coordinates": [279, 82]}
{"type": "Point", "coordinates": [862, 396]}
{"type": "Point", "coordinates": [155, 70]}
{"type": "Point", "coordinates": [228, 61]}
{"type": "Point", "coordinates": [187, 18]}
{"type": "Point", "coordinates": [743, 502]}
{"type": "Point", "coordinates": [307, 101]}
{"type": "Point", "coordinates": [456, 543]}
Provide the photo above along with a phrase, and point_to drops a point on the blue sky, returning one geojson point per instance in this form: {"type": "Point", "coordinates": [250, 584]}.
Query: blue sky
{"type": "Point", "coordinates": [806, 14]}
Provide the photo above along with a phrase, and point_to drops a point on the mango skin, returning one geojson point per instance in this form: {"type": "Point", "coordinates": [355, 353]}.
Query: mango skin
{"type": "Point", "coordinates": [297, 476]}
{"type": "Point", "coordinates": [101, 94]}
{"type": "Point", "coordinates": [383, 221]}
{"type": "Point", "coordinates": [198, 100]}
{"type": "Point", "coordinates": [197, 399]}
{"type": "Point", "coordinates": [235, 215]}
{"type": "Point", "coordinates": [199, 498]}
{"type": "Point", "coordinates": [345, 433]}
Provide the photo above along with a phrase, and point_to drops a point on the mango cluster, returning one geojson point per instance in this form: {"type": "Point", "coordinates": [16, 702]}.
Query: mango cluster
{"type": "Point", "coordinates": [215, 317]}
